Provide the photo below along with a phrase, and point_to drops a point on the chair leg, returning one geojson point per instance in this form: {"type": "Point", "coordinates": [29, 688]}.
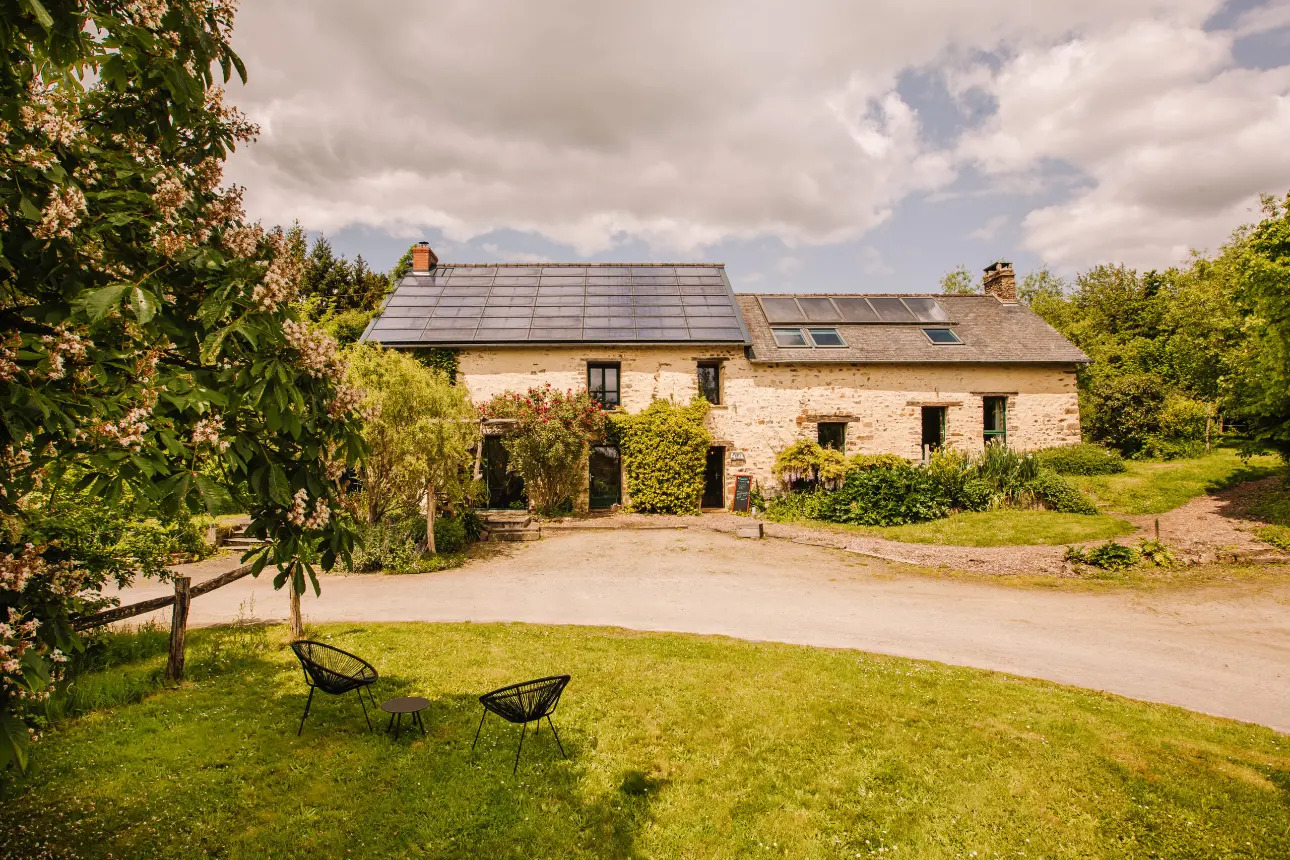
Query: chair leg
{"type": "Point", "coordinates": [308, 702]}
{"type": "Point", "coordinates": [557, 736]}
{"type": "Point", "coordinates": [515, 769]}
{"type": "Point", "coordinates": [481, 725]}
{"type": "Point", "coordinates": [364, 704]}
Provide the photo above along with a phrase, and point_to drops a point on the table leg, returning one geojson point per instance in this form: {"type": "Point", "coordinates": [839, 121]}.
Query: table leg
{"type": "Point", "coordinates": [397, 724]}
{"type": "Point", "coordinates": [390, 724]}
{"type": "Point", "coordinates": [420, 724]}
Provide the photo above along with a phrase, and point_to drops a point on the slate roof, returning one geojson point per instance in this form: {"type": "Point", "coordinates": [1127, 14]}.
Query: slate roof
{"type": "Point", "coordinates": [603, 303]}
{"type": "Point", "coordinates": [991, 331]}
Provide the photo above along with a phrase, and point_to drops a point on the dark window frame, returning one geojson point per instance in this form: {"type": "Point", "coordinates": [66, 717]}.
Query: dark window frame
{"type": "Point", "coordinates": [603, 392]}
{"type": "Point", "coordinates": [715, 367]}
{"type": "Point", "coordinates": [999, 433]}
{"type": "Point", "coordinates": [833, 426]}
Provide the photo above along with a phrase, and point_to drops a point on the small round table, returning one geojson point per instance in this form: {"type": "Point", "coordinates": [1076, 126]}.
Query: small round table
{"type": "Point", "coordinates": [396, 708]}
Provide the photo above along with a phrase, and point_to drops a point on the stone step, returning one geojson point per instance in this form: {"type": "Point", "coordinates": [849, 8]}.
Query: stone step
{"type": "Point", "coordinates": [525, 535]}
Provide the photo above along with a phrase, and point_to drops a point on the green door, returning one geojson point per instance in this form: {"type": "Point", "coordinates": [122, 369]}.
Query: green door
{"type": "Point", "coordinates": [606, 477]}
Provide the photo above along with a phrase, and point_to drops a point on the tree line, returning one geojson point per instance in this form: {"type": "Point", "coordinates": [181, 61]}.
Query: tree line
{"type": "Point", "coordinates": [1182, 355]}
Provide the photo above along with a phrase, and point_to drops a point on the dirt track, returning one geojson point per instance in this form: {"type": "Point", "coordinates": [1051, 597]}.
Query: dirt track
{"type": "Point", "coordinates": [1224, 652]}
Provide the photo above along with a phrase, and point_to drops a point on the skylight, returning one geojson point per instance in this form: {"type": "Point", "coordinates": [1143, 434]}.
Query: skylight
{"type": "Point", "coordinates": [942, 336]}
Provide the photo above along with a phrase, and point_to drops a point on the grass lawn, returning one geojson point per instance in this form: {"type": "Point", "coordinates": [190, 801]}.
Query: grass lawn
{"type": "Point", "coordinates": [1155, 487]}
{"type": "Point", "coordinates": [680, 746]}
{"type": "Point", "coordinates": [998, 528]}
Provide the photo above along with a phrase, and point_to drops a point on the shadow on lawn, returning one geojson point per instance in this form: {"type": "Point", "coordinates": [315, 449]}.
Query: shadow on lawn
{"type": "Point", "coordinates": [434, 794]}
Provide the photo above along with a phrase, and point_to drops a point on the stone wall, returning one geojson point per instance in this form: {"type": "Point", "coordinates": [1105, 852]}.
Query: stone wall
{"type": "Point", "coordinates": [766, 407]}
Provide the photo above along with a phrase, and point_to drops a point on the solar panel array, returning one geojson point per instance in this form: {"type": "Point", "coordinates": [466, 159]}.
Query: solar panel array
{"type": "Point", "coordinates": [852, 310]}
{"type": "Point", "coordinates": [492, 304]}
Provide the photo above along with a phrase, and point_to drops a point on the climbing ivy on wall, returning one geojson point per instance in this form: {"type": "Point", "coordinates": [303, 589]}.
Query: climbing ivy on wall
{"type": "Point", "coordinates": [439, 358]}
{"type": "Point", "coordinates": [664, 450]}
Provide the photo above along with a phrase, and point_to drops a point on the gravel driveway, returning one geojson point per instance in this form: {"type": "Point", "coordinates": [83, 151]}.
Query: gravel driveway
{"type": "Point", "coordinates": [1220, 651]}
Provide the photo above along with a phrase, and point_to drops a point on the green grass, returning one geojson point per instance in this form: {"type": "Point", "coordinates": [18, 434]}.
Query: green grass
{"type": "Point", "coordinates": [1004, 527]}
{"type": "Point", "coordinates": [1156, 487]}
{"type": "Point", "coordinates": [679, 746]}
{"type": "Point", "coordinates": [1273, 508]}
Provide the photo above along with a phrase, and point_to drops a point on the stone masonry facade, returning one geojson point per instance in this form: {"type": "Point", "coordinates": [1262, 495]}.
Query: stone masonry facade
{"type": "Point", "coordinates": [766, 406]}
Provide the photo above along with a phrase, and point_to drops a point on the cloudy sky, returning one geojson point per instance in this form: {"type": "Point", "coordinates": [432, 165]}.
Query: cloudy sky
{"type": "Point", "coordinates": [808, 145]}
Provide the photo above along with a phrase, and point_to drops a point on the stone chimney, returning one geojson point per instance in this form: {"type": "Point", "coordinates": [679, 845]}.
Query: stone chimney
{"type": "Point", "coordinates": [1000, 281]}
{"type": "Point", "coordinates": [423, 259]}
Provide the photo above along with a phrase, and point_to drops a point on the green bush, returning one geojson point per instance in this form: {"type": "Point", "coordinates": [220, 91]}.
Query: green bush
{"type": "Point", "coordinates": [449, 535]}
{"type": "Point", "coordinates": [887, 497]}
{"type": "Point", "coordinates": [1083, 458]}
{"type": "Point", "coordinates": [1182, 430]}
{"type": "Point", "coordinates": [665, 448]}
{"type": "Point", "coordinates": [1060, 495]}
{"type": "Point", "coordinates": [1107, 556]}
{"type": "Point", "coordinates": [389, 545]}
{"type": "Point", "coordinates": [877, 461]}
{"type": "Point", "coordinates": [1124, 410]}
{"type": "Point", "coordinates": [975, 495]}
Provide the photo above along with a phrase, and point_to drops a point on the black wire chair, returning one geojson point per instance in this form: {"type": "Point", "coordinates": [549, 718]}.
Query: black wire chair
{"type": "Point", "coordinates": [524, 703]}
{"type": "Point", "coordinates": [333, 671]}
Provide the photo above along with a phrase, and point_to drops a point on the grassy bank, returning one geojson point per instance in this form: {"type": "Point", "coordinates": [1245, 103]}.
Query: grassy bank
{"type": "Point", "coordinates": [1149, 487]}
{"type": "Point", "coordinates": [679, 746]}
{"type": "Point", "coordinates": [997, 528]}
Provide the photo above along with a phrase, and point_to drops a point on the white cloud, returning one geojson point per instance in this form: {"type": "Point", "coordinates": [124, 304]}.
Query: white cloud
{"type": "Point", "coordinates": [678, 123]}
{"type": "Point", "coordinates": [1175, 142]}
{"type": "Point", "coordinates": [990, 228]}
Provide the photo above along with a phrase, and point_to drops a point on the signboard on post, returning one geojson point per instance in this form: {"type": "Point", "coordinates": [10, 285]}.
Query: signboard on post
{"type": "Point", "coordinates": [743, 489]}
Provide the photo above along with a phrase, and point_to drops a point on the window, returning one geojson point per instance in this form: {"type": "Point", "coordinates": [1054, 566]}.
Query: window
{"type": "Point", "coordinates": [602, 384]}
{"type": "Point", "coordinates": [826, 337]}
{"type": "Point", "coordinates": [789, 337]}
{"type": "Point", "coordinates": [995, 415]}
{"type": "Point", "coordinates": [710, 381]}
{"type": "Point", "coordinates": [832, 434]}
{"type": "Point", "coordinates": [941, 336]}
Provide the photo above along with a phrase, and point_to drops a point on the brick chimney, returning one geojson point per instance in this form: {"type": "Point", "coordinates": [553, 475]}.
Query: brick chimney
{"type": "Point", "coordinates": [1000, 281]}
{"type": "Point", "coordinates": [423, 259]}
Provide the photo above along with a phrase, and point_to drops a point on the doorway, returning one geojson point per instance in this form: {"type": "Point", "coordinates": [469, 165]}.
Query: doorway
{"type": "Point", "coordinates": [714, 478]}
{"type": "Point", "coordinates": [504, 490]}
{"type": "Point", "coordinates": [933, 428]}
{"type": "Point", "coordinates": [606, 484]}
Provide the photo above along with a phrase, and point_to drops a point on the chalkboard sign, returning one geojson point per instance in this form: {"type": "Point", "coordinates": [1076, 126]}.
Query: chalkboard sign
{"type": "Point", "coordinates": [743, 486]}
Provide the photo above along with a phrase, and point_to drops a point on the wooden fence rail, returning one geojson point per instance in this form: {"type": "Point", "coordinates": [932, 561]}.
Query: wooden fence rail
{"type": "Point", "coordinates": [185, 591]}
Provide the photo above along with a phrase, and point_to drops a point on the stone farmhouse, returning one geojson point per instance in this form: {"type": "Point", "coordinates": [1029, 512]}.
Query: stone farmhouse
{"type": "Point", "coordinates": [864, 373]}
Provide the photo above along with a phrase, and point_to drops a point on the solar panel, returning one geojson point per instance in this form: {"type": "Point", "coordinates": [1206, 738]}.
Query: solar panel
{"type": "Point", "coordinates": [927, 310]}
{"type": "Point", "coordinates": [856, 310]}
{"type": "Point", "coordinates": [482, 304]}
{"type": "Point", "coordinates": [892, 310]}
{"type": "Point", "coordinates": [818, 309]}
{"type": "Point", "coordinates": [781, 310]}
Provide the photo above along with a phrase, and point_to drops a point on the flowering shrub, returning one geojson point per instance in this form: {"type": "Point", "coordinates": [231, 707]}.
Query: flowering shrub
{"type": "Point", "coordinates": [148, 337]}
{"type": "Point", "coordinates": [547, 440]}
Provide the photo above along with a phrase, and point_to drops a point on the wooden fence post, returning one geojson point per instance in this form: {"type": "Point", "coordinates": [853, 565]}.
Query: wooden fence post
{"type": "Point", "coordinates": [178, 625]}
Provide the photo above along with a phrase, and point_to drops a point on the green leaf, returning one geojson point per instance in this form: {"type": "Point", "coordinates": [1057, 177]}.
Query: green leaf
{"type": "Point", "coordinates": [279, 488]}
{"type": "Point", "coordinates": [144, 305]}
{"type": "Point", "coordinates": [13, 741]}
{"type": "Point", "coordinates": [100, 303]}
{"type": "Point", "coordinates": [39, 12]}
{"type": "Point", "coordinates": [29, 210]}
{"type": "Point", "coordinates": [213, 494]}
